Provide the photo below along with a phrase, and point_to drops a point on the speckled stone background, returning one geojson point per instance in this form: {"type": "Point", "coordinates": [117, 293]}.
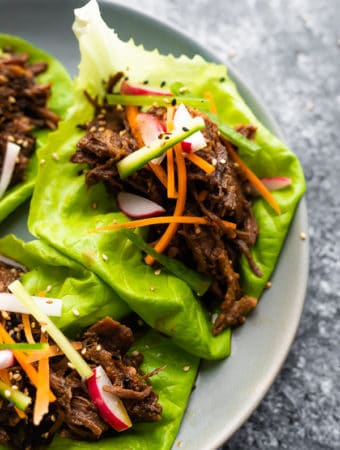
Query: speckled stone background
{"type": "Point", "coordinates": [289, 52]}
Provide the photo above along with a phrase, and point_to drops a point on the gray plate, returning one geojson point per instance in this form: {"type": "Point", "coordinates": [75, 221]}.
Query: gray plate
{"type": "Point", "coordinates": [227, 392]}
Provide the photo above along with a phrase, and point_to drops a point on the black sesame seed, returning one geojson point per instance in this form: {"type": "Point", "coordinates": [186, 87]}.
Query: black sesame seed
{"type": "Point", "coordinates": [222, 79]}
{"type": "Point", "coordinates": [185, 129]}
{"type": "Point", "coordinates": [163, 83]}
{"type": "Point", "coordinates": [126, 78]}
{"type": "Point", "coordinates": [167, 137]}
{"type": "Point", "coordinates": [174, 101]}
{"type": "Point", "coordinates": [146, 82]}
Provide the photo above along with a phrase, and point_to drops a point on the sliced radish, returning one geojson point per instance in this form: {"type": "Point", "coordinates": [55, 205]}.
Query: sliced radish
{"type": "Point", "coordinates": [11, 154]}
{"type": "Point", "coordinates": [150, 127]}
{"type": "Point", "coordinates": [6, 359]}
{"type": "Point", "coordinates": [182, 119]}
{"type": "Point", "coordinates": [10, 303]}
{"type": "Point", "coordinates": [276, 183]}
{"type": "Point", "coordinates": [110, 407]}
{"type": "Point", "coordinates": [138, 207]}
{"type": "Point", "coordinates": [137, 89]}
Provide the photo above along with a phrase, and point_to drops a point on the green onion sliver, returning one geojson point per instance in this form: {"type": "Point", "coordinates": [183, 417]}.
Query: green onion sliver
{"type": "Point", "coordinates": [234, 136]}
{"type": "Point", "coordinates": [136, 160]}
{"type": "Point", "coordinates": [150, 100]}
{"type": "Point", "coordinates": [45, 322]}
{"type": "Point", "coordinates": [25, 346]}
{"type": "Point", "coordinates": [18, 398]}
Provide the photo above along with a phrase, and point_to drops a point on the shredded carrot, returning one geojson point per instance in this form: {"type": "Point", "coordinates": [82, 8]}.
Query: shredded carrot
{"type": "Point", "coordinates": [27, 328]}
{"type": "Point", "coordinates": [171, 174]}
{"type": "Point", "coordinates": [41, 294]}
{"type": "Point", "coordinates": [160, 220]}
{"type": "Point", "coordinates": [200, 162]}
{"type": "Point", "coordinates": [43, 388]}
{"type": "Point", "coordinates": [131, 115]}
{"type": "Point", "coordinates": [53, 350]}
{"type": "Point", "coordinates": [160, 173]}
{"type": "Point", "coordinates": [22, 360]}
{"type": "Point", "coordinates": [171, 190]}
{"type": "Point", "coordinates": [208, 95]}
{"type": "Point", "coordinates": [202, 195]}
{"type": "Point", "coordinates": [254, 180]}
{"type": "Point", "coordinates": [165, 239]}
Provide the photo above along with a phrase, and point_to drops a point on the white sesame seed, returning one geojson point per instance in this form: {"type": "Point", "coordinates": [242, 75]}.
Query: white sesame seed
{"type": "Point", "coordinates": [98, 348]}
{"type": "Point", "coordinates": [268, 284]}
{"type": "Point", "coordinates": [152, 288]}
{"type": "Point", "coordinates": [223, 161]}
{"type": "Point", "coordinates": [48, 289]}
{"type": "Point", "coordinates": [7, 393]}
{"type": "Point", "coordinates": [119, 107]}
{"type": "Point", "coordinates": [42, 162]}
{"type": "Point", "coordinates": [83, 351]}
{"type": "Point", "coordinates": [55, 156]}
{"type": "Point", "coordinates": [11, 99]}
{"type": "Point", "coordinates": [71, 366]}
{"type": "Point", "coordinates": [105, 257]}
{"type": "Point", "coordinates": [186, 368]}
{"type": "Point", "coordinates": [157, 271]}
{"type": "Point", "coordinates": [5, 315]}
{"type": "Point", "coordinates": [214, 161]}
{"type": "Point", "coordinates": [302, 236]}
{"type": "Point", "coordinates": [183, 89]}
{"type": "Point", "coordinates": [75, 312]}
{"type": "Point", "coordinates": [101, 129]}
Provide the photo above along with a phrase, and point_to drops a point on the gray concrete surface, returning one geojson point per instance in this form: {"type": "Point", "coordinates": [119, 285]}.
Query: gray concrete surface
{"type": "Point", "coordinates": [289, 52]}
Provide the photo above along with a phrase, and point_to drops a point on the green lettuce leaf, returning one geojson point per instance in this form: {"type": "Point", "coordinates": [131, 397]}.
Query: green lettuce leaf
{"type": "Point", "coordinates": [60, 277]}
{"type": "Point", "coordinates": [59, 102]}
{"type": "Point", "coordinates": [62, 210]}
{"type": "Point", "coordinates": [81, 289]}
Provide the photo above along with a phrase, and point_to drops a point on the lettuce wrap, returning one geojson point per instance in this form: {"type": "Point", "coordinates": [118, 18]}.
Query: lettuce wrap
{"type": "Point", "coordinates": [59, 103]}
{"type": "Point", "coordinates": [80, 288]}
{"type": "Point", "coordinates": [64, 210]}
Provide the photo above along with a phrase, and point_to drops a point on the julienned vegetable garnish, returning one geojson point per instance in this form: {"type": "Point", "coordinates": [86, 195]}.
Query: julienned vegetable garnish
{"type": "Point", "coordinates": [209, 164]}
{"type": "Point", "coordinates": [207, 186]}
{"type": "Point", "coordinates": [113, 409]}
{"type": "Point", "coordinates": [57, 401]}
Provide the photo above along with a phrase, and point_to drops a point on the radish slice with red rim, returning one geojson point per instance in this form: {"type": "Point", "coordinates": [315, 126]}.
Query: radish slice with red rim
{"type": "Point", "coordinates": [182, 119]}
{"type": "Point", "coordinates": [6, 359]}
{"type": "Point", "coordinates": [151, 128]}
{"type": "Point", "coordinates": [138, 207]}
{"type": "Point", "coordinates": [136, 89]}
{"type": "Point", "coordinates": [272, 184]}
{"type": "Point", "coordinates": [11, 154]}
{"type": "Point", "coordinates": [276, 183]}
{"type": "Point", "coordinates": [110, 407]}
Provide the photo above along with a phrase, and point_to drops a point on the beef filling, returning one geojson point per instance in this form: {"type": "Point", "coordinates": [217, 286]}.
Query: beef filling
{"type": "Point", "coordinates": [215, 250]}
{"type": "Point", "coordinates": [23, 107]}
{"type": "Point", "coordinates": [73, 414]}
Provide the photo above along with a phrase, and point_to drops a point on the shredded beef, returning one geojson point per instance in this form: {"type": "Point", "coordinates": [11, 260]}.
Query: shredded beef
{"type": "Point", "coordinates": [222, 195]}
{"type": "Point", "coordinates": [22, 107]}
{"type": "Point", "coordinates": [73, 414]}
